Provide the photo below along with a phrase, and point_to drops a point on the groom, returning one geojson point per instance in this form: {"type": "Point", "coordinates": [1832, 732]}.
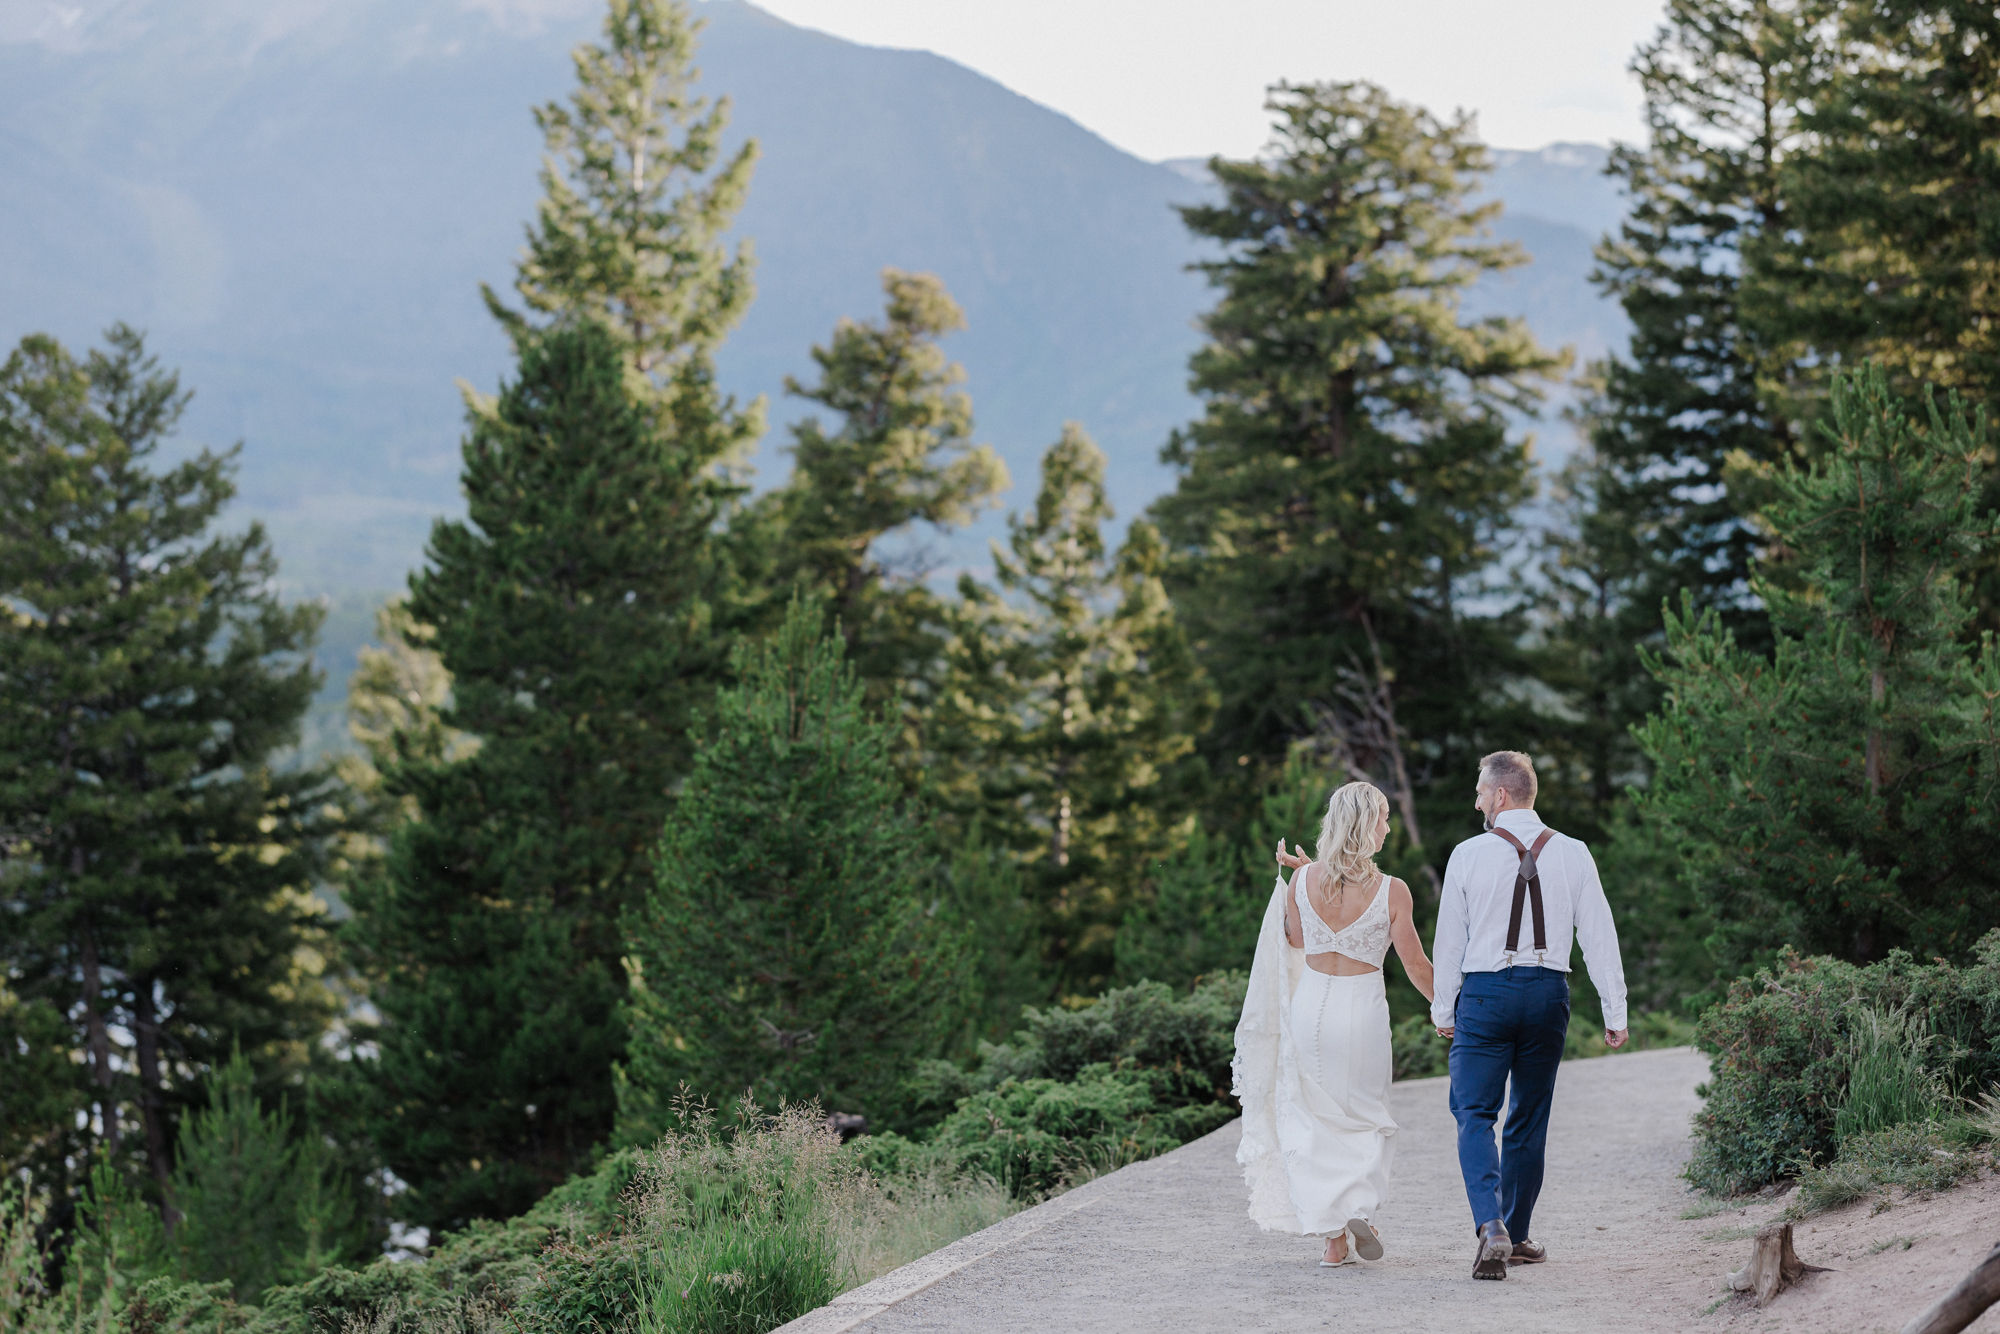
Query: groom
{"type": "Point", "coordinates": [1503, 995]}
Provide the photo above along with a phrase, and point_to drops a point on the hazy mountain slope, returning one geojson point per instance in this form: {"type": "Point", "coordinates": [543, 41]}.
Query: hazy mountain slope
{"type": "Point", "coordinates": [303, 230]}
{"type": "Point", "coordinates": [299, 198]}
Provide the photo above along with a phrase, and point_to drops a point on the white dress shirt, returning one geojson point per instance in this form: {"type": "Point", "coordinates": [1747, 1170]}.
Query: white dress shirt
{"type": "Point", "coordinates": [1478, 898]}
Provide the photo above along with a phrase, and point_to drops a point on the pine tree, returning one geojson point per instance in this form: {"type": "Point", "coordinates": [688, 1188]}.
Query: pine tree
{"type": "Point", "coordinates": [1722, 81]}
{"type": "Point", "coordinates": [1890, 253]}
{"type": "Point", "coordinates": [1340, 495]}
{"type": "Point", "coordinates": [900, 455]}
{"type": "Point", "coordinates": [563, 608]}
{"type": "Point", "coordinates": [120, 1243]}
{"type": "Point", "coordinates": [635, 203]}
{"type": "Point", "coordinates": [578, 617]}
{"type": "Point", "coordinates": [1200, 918]}
{"type": "Point", "coordinates": [1840, 797]}
{"type": "Point", "coordinates": [1889, 250]}
{"type": "Point", "coordinates": [256, 1201]}
{"type": "Point", "coordinates": [1591, 612]}
{"type": "Point", "coordinates": [1072, 709]}
{"type": "Point", "coordinates": [788, 946]}
{"type": "Point", "coordinates": [156, 859]}
{"type": "Point", "coordinates": [988, 897]}
{"type": "Point", "coordinates": [1650, 510]}
{"type": "Point", "coordinates": [395, 703]}
{"type": "Point", "coordinates": [1208, 899]}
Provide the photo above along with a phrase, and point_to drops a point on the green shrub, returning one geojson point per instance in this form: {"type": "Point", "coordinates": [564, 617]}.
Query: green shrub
{"type": "Point", "coordinates": [470, 1275]}
{"type": "Point", "coordinates": [1796, 1047]}
{"type": "Point", "coordinates": [1035, 1136]}
{"type": "Point", "coordinates": [1419, 1052]}
{"type": "Point", "coordinates": [1077, 1090]}
{"type": "Point", "coordinates": [174, 1306]}
{"type": "Point", "coordinates": [1190, 1038]}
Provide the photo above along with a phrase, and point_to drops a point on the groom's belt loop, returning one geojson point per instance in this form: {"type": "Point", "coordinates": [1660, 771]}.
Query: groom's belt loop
{"type": "Point", "coordinates": [1527, 886]}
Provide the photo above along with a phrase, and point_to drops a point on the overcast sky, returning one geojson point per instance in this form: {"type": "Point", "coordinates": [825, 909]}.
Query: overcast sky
{"type": "Point", "coordinates": [1186, 78]}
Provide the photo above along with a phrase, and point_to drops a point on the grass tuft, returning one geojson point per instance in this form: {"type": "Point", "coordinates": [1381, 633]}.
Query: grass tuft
{"type": "Point", "coordinates": [740, 1228]}
{"type": "Point", "coordinates": [1903, 1243]}
{"type": "Point", "coordinates": [1708, 1206]}
{"type": "Point", "coordinates": [1891, 1075]}
{"type": "Point", "coordinates": [881, 1224]}
{"type": "Point", "coordinates": [1919, 1156]}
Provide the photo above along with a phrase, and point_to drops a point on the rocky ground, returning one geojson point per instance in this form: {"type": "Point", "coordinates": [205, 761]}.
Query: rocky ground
{"type": "Point", "coordinates": [1164, 1245]}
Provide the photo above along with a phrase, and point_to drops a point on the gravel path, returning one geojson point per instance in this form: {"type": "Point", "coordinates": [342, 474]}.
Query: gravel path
{"type": "Point", "coordinates": [1165, 1244]}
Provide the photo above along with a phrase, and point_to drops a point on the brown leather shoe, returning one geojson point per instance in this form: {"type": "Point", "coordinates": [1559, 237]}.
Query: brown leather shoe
{"type": "Point", "coordinates": [1494, 1248]}
{"type": "Point", "coordinates": [1527, 1253]}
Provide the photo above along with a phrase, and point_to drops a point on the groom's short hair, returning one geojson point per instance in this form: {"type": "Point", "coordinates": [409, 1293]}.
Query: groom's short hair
{"type": "Point", "coordinates": [1512, 772]}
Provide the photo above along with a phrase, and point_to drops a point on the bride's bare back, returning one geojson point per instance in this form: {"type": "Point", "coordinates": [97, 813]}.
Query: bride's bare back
{"type": "Point", "coordinates": [1340, 907]}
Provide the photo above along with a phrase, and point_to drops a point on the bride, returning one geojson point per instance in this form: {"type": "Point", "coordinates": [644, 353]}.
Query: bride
{"type": "Point", "coordinates": [1312, 1049]}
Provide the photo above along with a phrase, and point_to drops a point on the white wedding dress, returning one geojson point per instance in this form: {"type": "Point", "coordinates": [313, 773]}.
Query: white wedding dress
{"type": "Point", "coordinates": [1312, 1072]}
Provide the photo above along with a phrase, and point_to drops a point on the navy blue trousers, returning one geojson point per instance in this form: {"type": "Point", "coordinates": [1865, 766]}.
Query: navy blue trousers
{"type": "Point", "coordinates": [1508, 1025]}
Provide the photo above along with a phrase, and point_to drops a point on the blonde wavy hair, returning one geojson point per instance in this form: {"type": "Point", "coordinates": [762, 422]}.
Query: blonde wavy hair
{"type": "Point", "coordinates": [1347, 843]}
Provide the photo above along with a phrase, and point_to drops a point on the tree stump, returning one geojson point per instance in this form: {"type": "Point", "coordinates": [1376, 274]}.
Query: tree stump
{"type": "Point", "coordinates": [1774, 1265]}
{"type": "Point", "coordinates": [1964, 1303]}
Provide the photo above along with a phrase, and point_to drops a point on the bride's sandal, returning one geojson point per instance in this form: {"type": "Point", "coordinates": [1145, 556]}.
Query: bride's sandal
{"type": "Point", "coordinates": [1367, 1241]}
{"type": "Point", "coordinates": [1346, 1258]}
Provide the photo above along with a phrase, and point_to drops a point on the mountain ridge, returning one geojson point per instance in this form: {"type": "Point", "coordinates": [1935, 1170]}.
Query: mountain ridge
{"type": "Point", "coordinates": [300, 201]}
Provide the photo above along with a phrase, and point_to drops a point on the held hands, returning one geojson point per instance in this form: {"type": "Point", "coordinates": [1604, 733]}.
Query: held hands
{"type": "Point", "coordinates": [1292, 859]}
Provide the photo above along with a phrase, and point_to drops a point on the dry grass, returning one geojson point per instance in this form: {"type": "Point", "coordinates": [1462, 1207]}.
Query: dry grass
{"type": "Point", "coordinates": [879, 1226]}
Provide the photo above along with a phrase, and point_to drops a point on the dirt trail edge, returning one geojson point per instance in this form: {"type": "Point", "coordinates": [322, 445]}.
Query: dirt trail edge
{"type": "Point", "coordinates": [1165, 1244]}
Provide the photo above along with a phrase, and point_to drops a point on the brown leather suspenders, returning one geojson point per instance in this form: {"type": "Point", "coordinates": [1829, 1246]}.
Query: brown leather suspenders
{"type": "Point", "coordinates": [1527, 885]}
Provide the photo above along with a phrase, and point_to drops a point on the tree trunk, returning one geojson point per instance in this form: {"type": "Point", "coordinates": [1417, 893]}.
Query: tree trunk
{"type": "Point", "coordinates": [152, 1101]}
{"type": "Point", "coordinates": [1773, 1266]}
{"type": "Point", "coordinates": [1964, 1303]}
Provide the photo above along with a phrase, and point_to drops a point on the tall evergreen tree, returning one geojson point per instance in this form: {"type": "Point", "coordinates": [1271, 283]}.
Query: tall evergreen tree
{"type": "Point", "coordinates": [1890, 251]}
{"type": "Point", "coordinates": [787, 945]}
{"type": "Point", "coordinates": [395, 704]}
{"type": "Point", "coordinates": [1591, 611]}
{"type": "Point", "coordinates": [1340, 495]}
{"type": "Point", "coordinates": [899, 454]}
{"type": "Point", "coordinates": [636, 200]}
{"type": "Point", "coordinates": [1652, 510]}
{"type": "Point", "coordinates": [561, 607]}
{"type": "Point", "coordinates": [1841, 797]}
{"type": "Point", "coordinates": [575, 614]}
{"type": "Point", "coordinates": [154, 860]}
{"type": "Point", "coordinates": [1072, 708]}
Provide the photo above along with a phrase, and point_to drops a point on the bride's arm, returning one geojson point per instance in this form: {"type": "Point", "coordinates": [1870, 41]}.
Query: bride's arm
{"type": "Point", "coordinates": [1294, 932]}
{"type": "Point", "coordinates": [1403, 934]}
